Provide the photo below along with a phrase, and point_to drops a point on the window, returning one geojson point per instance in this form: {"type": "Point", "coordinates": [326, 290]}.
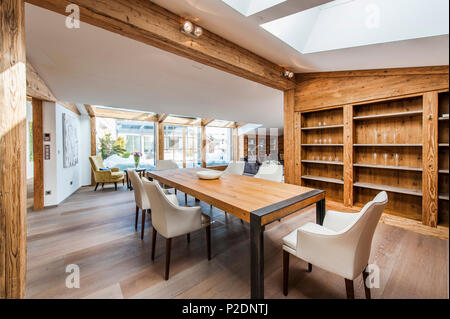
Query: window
{"type": "Point", "coordinates": [219, 145]}
{"type": "Point", "coordinates": [133, 143]}
{"type": "Point", "coordinates": [182, 145]}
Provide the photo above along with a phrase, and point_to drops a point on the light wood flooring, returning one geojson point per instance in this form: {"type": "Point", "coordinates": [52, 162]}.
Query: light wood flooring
{"type": "Point", "coordinates": [95, 230]}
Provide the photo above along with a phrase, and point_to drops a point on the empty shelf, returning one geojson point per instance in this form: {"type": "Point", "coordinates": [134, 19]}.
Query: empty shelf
{"type": "Point", "coordinates": [322, 144]}
{"type": "Point", "coordinates": [380, 116]}
{"type": "Point", "coordinates": [443, 144]}
{"type": "Point", "coordinates": [323, 179]}
{"type": "Point", "coordinates": [321, 127]}
{"type": "Point", "coordinates": [443, 196]}
{"type": "Point", "coordinates": [443, 171]}
{"type": "Point", "coordinates": [402, 168]}
{"type": "Point", "coordinates": [391, 145]}
{"type": "Point", "coordinates": [323, 162]}
{"type": "Point", "coordinates": [401, 190]}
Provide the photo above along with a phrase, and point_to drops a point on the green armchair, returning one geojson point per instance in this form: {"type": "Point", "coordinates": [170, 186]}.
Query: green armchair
{"type": "Point", "coordinates": [114, 175]}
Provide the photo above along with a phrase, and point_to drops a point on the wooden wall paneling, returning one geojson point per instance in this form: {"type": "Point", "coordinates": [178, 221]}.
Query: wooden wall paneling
{"type": "Point", "coordinates": [144, 21]}
{"type": "Point", "coordinates": [430, 159]}
{"type": "Point", "coordinates": [38, 155]}
{"type": "Point", "coordinates": [13, 194]}
{"type": "Point", "coordinates": [348, 155]}
{"type": "Point", "coordinates": [298, 148]}
{"type": "Point", "coordinates": [289, 137]}
{"type": "Point", "coordinates": [315, 91]}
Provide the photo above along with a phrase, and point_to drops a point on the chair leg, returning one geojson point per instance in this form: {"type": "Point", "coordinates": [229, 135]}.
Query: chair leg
{"type": "Point", "coordinates": [188, 238]}
{"type": "Point", "coordinates": [96, 186]}
{"type": "Point", "coordinates": [153, 243]}
{"type": "Point", "coordinates": [123, 182]}
{"type": "Point", "coordinates": [143, 223]}
{"type": "Point", "coordinates": [208, 241]}
{"type": "Point", "coordinates": [168, 247]}
{"type": "Point", "coordinates": [103, 185]}
{"type": "Point", "coordinates": [349, 288]}
{"type": "Point", "coordinates": [115, 185]}
{"type": "Point", "coordinates": [309, 267]}
{"type": "Point", "coordinates": [185, 199]}
{"type": "Point", "coordinates": [137, 216]}
{"type": "Point", "coordinates": [175, 191]}
{"type": "Point", "coordinates": [285, 272]}
{"type": "Point", "coordinates": [366, 289]}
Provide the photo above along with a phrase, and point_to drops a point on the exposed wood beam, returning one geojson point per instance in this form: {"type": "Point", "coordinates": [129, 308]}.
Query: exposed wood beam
{"type": "Point", "coordinates": [149, 23]}
{"type": "Point", "coordinates": [70, 106]}
{"type": "Point", "coordinates": [289, 137]}
{"type": "Point", "coordinates": [38, 156]}
{"type": "Point", "coordinates": [162, 117]}
{"type": "Point", "coordinates": [206, 122]}
{"type": "Point", "coordinates": [203, 146]}
{"type": "Point", "coordinates": [124, 115]}
{"type": "Point", "coordinates": [160, 150]}
{"type": "Point", "coordinates": [90, 110]}
{"type": "Point", "coordinates": [13, 119]}
{"type": "Point", "coordinates": [36, 86]}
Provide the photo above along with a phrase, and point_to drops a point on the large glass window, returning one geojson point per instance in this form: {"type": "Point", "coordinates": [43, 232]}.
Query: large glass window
{"type": "Point", "coordinates": [182, 145]}
{"type": "Point", "coordinates": [118, 139]}
{"type": "Point", "coordinates": [219, 146]}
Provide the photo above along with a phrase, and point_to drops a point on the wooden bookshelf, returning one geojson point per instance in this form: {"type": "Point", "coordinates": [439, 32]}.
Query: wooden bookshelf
{"type": "Point", "coordinates": [387, 115]}
{"type": "Point", "coordinates": [402, 168]}
{"type": "Point", "coordinates": [387, 188]}
{"type": "Point", "coordinates": [322, 127]}
{"type": "Point", "coordinates": [322, 162]}
{"type": "Point", "coordinates": [443, 159]}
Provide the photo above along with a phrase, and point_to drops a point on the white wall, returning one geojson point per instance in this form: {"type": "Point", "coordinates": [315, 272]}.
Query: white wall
{"type": "Point", "coordinates": [30, 164]}
{"type": "Point", "coordinates": [63, 182]}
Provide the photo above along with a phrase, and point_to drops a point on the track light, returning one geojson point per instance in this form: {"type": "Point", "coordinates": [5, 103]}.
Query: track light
{"type": "Point", "coordinates": [190, 29]}
{"type": "Point", "coordinates": [288, 74]}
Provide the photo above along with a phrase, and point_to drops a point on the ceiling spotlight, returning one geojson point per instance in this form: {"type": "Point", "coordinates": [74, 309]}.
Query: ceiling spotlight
{"type": "Point", "coordinates": [188, 26]}
{"type": "Point", "coordinates": [190, 29]}
{"type": "Point", "coordinates": [198, 31]}
{"type": "Point", "coordinates": [288, 74]}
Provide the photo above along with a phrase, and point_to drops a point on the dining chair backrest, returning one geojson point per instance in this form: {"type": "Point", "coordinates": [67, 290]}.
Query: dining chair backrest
{"type": "Point", "coordinates": [165, 164]}
{"type": "Point", "coordinates": [235, 167]}
{"type": "Point", "coordinates": [140, 196]}
{"type": "Point", "coordinates": [270, 172]}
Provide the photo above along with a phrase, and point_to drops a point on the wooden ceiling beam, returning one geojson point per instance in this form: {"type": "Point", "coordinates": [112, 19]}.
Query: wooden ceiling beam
{"type": "Point", "coordinates": [123, 114]}
{"type": "Point", "coordinates": [144, 21]}
{"type": "Point", "coordinates": [162, 117]}
{"type": "Point", "coordinates": [36, 86]}
{"type": "Point", "coordinates": [206, 122]}
{"type": "Point", "coordinates": [70, 106]}
{"type": "Point", "coordinates": [90, 110]}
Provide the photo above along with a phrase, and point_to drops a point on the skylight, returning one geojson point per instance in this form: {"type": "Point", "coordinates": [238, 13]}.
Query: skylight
{"type": "Point", "coordinates": [250, 7]}
{"type": "Point", "coordinates": [350, 23]}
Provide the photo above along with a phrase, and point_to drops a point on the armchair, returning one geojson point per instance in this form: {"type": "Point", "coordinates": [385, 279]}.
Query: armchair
{"type": "Point", "coordinates": [113, 175]}
{"type": "Point", "coordinates": [341, 245]}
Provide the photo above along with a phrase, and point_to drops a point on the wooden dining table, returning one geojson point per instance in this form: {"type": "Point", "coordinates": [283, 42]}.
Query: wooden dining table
{"type": "Point", "coordinates": [257, 201]}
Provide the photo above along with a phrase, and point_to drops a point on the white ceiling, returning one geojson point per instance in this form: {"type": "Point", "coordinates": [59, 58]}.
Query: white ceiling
{"type": "Point", "coordinates": [93, 66]}
{"type": "Point", "coordinates": [90, 65]}
{"type": "Point", "coordinates": [218, 17]}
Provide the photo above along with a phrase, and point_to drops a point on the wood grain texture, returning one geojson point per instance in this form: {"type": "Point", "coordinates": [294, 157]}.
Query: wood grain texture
{"type": "Point", "coordinates": [70, 106]}
{"type": "Point", "coordinates": [13, 196]}
{"type": "Point", "coordinates": [298, 148]}
{"type": "Point", "coordinates": [36, 86]}
{"type": "Point", "coordinates": [234, 194]}
{"type": "Point", "coordinates": [149, 23]}
{"type": "Point", "coordinates": [348, 155]}
{"type": "Point", "coordinates": [38, 155]}
{"type": "Point", "coordinates": [332, 89]}
{"type": "Point", "coordinates": [90, 110]}
{"type": "Point", "coordinates": [430, 159]}
{"type": "Point", "coordinates": [203, 146]}
{"type": "Point", "coordinates": [289, 137]}
{"type": "Point", "coordinates": [124, 115]}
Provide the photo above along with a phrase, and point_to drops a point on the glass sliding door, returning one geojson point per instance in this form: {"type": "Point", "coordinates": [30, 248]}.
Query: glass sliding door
{"type": "Point", "coordinates": [219, 149]}
{"type": "Point", "coordinates": [182, 145]}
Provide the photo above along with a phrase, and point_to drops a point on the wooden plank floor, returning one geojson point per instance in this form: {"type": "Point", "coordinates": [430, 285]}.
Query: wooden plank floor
{"type": "Point", "coordinates": [95, 230]}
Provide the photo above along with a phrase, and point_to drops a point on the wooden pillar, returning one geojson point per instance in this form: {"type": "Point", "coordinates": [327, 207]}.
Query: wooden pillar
{"type": "Point", "coordinates": [235, 144]}
{"type": "Point", "coordinates": [289, 138]}
{"type": "Point", "coordinates": [203, 149]}
{"type": "Point", "coordinates": [38, 155]}
{"type": "Point", "coordinates": [160, 141]}
{"type": "Point", "coordinates": [93, 144]}
{"type": "Point", "coordinates": [298, 148]}
{"type": "Point", "coordinates": [430, 159]}
{"type": "Point", "coordinates": [348, 155]}
{"type": "Point", "coordinates": [12, 150]}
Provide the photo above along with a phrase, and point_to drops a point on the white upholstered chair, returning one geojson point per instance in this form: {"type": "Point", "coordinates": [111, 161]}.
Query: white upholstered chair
{"type": "Point", "coordinates": [271, 172]}
{"type": "Point", "coordinates": [341, 246]}
{"type": "Point", "coordinates": [162, 165]}
{"type": "Point", "coordinates": [141, 198]}
{"type": "Point", "coordinates": [235, 167]}
{"type": "Point", "coordinates": [171, 220]}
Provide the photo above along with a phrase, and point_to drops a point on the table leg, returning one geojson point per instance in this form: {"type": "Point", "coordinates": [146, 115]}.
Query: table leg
{"type": "Point", "coordinates": [320, 211]}
{"type": "Point", "coordinates": [257, 257]}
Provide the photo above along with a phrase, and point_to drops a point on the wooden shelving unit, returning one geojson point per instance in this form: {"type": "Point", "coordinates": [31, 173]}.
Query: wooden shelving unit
{"type": "Point", "coordinates": [402, 168]}
{"type": "Point", "coordinates": [390, 145]}
{"type": "Point", "coordinates": [387, 188]}
{"type": "Point", "coordinates": [443, 159]}
{"type": "Point", "coordinates": [322, 156]}
{"type": "Point", "coordinates": [388, 115]}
